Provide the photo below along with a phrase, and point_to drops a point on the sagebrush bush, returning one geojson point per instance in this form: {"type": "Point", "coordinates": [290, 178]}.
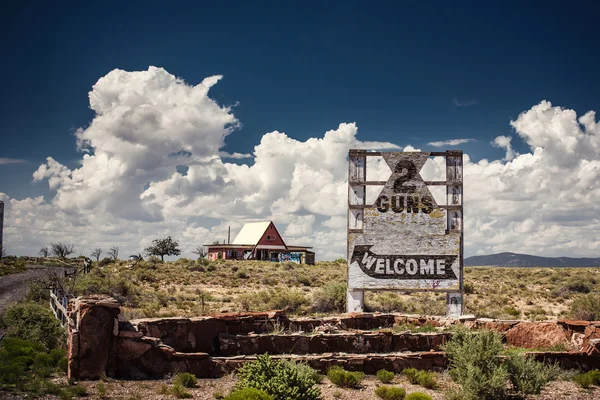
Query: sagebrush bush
{"type": "Point", "coordinates": [340, 377]}
{"type": "Point", "coordinates": [283, 381]}
{"type": "Point", "coordinates": [185, 379]}
{"type": "Point", "coordinates": [586, 307]}
{"type": "Point", "coordinates": [330, 298]}
{"type": "Point", "coordinates": [275, 299]}
{"type": "Point", "coordinates": [385, 376]}
{"type": "Point", "coordinates": [33, 322]}
{"type": "Point", "coordinates": [529, 376]}
{"type": "Point", "coordinates": [390, 392]}
{"type": "Point", "coordinates": [418, 396]}
{"type": "Point", "coordinates": [475, 364]}
{"type": "Point", "coordinates": [249, 393]}
{"type": "Point", "coordinates": [384, 302]}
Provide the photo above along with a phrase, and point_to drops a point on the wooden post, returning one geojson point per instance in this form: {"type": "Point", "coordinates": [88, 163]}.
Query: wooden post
{"type": "Point", "coordinates": [1, 227]}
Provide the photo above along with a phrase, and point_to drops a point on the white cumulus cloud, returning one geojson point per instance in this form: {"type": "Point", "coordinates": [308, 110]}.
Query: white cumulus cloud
{"type": "Point", "coordinates": [451, 142]}
{"type": "Point", "coordinates": [128, 189]}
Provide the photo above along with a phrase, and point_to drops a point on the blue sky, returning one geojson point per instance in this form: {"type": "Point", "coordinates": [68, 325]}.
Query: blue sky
{"type": "Point", "coordinates": [405, 73]}
{"type": "Point", "coordinates": [299, 67]}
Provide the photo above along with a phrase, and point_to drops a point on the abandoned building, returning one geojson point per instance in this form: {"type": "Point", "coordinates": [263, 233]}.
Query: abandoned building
{"type": "Point", "coordinates": [260, 241]}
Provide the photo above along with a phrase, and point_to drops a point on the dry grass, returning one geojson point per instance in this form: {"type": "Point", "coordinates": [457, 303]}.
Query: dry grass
{"type": "Point", "coordinates": [188, 288]}
{"type": "Point", "coordinates": [209, 389]}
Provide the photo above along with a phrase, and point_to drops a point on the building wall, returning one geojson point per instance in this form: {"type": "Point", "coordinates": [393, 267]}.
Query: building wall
{"type": "Point", "coordinates": [271, 237]}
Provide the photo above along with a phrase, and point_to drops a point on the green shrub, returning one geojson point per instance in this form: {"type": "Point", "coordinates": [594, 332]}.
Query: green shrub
{"type": "Point", "coordinates": [37, 293]}
{"type": "Point", "coordinates": [330, 298]}
{"type": "Point", "coordinates": [336, 375]}
{"type": "Point", "coordinates": [249, 393]}
{"type": "Point", "coordinates": [241, 274]}
{"type": "Point", "coordinates": [586, 307]}
{"type": "Point", "coordinates": [78, 390]}
{"type": "Point", "coordinates": [105, 261]}
{"type": "Point", "coordinates": [385, 376]}
{"type": "Point", "coordinates": [588, 379]}
{"type": "Point", "coordinates": [305, 372]}
{"type": "Point", "coordinates": [51, 388]}
{"type": "Point", "coordinates": [353, 379]}
{"type": "Point", "coordinates": [35, 323]}
{"type": "Point", "coordinates": [185, 379]}
{"type": "Point", "coordinates": [418, 396]}
{"type": "Point", "coordinates": [180, 392]}
{"type": "Point", "coordinates": [101, 389]}
{"type": "Point", "coordinates": [411, 375]}
{"type": "Point", "coordinates": [283, 381]}
{"type": "Point", "coordinates": [390, 392]}
{"type": "Point", "coordinates": [280, 299]}
{"type": "Point", "coordinates": [340, 377]}
{"type": "Point", "coordinates": [475, 364]}
{"type": "Point", "coordinates": [529, 376]}
{"type": "Point", "coordinates": [578, 286]}
{"type": "Point", "coordinates": [63, 364]}
{"type": "Point", "coordinates": [426, 379]}
{"type": "Point", "coordinates": [469, 288]}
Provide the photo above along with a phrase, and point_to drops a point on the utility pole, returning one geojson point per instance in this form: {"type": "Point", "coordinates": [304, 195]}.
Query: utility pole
{"type": "Point", "coordinates": [228, 235]}
{"type": "Point", "coordinates": [1, 227]}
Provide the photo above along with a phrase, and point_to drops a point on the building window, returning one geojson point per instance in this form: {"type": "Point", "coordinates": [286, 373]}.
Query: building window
{"type": "Point", "coordinates": [270, 237]}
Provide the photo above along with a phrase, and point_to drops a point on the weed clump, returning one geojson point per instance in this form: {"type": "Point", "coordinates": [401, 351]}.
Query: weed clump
{"type": "Point", "coordinates": [422, 378]}
{"type": "Point", "coordinates": [390, 392]}
{"type": "Point", "coordinates": [418, 396]}
{"type": "Point", "coordinates": [385, 376]}
{"type": "Point", "coordinates": [274, 299]}
{"type": "Point", "coordinates": [185, 379]}
{"type": "Point", "coordinates": [330, 298]}
{"type": "Point", "coordinates": [249, 393]}
{"type": "Point", "coordinates": [588, 379]}
{"type": "Point", "coordinates": [280, 380]}
{"type": "Point", "coordinates": [342, 378]}
{"type": "Point", "coordinates": [586, 307]}
{"type": "Point", "coordinates": [180, 392]}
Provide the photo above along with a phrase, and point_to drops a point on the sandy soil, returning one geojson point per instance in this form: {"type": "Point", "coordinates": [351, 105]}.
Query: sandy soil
{"type": "Point", "coordinates": [210, 389]}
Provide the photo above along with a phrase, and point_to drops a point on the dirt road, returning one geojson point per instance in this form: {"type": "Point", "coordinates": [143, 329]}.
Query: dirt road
{"type": "Point", "coordinates": [14, 287]}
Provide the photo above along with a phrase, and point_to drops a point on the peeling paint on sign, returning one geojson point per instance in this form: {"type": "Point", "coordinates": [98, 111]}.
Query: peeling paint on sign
{"type": "Point", "coordinates": [403, 239]}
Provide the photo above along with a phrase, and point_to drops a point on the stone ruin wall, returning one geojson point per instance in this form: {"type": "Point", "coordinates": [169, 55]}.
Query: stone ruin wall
{"type": "Point", "coordinates": [212, 346]}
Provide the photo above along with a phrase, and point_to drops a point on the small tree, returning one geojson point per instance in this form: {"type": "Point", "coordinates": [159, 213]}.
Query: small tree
{"type": "Point", "coordinates": [96, 254]}
{"type": "Point", "coordinates": [114, 253]}
{"type": "Point", "coordinates": [44, 252]}
{"type": "Point", "coordinates": [163, 247]}
{"type": "Point", "coordinates": [200, 251]}
{"type": "Point", "coordinates": [61, 250]}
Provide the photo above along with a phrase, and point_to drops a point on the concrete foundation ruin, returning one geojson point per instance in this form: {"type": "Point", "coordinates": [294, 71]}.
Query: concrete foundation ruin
{"type": "Point", "coordinates": [212, 346]}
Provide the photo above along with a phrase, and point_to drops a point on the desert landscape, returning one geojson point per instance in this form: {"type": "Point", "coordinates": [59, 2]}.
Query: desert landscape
{"type": "Point", "coordinates": [153, 290]}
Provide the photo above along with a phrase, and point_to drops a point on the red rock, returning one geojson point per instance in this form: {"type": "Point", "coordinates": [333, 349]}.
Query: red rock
{"type": "Point", "coordinates": [536, 335]}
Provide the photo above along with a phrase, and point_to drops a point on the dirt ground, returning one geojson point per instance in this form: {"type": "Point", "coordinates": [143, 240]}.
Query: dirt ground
{"type": "Point", "coordinates": [210, 389]}
{"type": "Point", "coordinates": [14, 287]}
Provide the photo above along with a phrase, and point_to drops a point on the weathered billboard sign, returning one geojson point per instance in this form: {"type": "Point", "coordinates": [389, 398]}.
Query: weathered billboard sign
{"type": "Point", "coordinates": [401, 239]}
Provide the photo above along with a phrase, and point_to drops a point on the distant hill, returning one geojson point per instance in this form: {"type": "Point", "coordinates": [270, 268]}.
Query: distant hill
{"type": "Point", "coordinates": [525, 260]}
